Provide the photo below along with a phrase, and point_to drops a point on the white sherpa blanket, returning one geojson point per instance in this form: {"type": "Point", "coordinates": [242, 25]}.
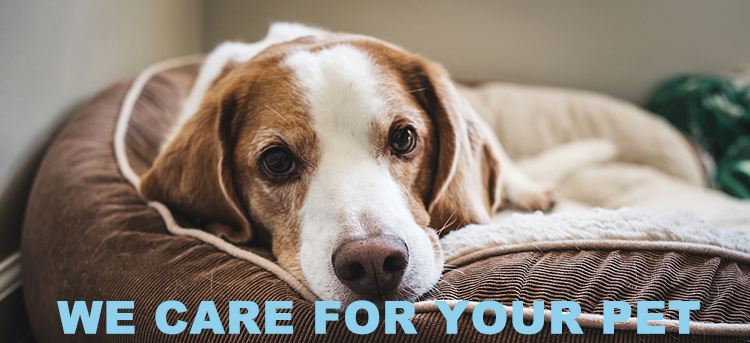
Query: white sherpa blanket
{"type": "Point", "coordinates": [596, 225]}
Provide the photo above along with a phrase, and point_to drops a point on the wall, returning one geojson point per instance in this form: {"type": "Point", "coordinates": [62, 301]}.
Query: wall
{"type": "Point", "coordinates": [623, 48]}
{"type": "Point", "coordinates": [54, 54]}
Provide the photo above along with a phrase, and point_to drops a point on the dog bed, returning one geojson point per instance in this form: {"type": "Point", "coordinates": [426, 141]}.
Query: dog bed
{"type": "Point", "coordinates": [89, 236]}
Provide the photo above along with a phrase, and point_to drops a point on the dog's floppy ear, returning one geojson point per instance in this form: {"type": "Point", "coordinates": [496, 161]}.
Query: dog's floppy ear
{"type": "Point", "coordinates": [467, 187]}
{"type": "Point", "coordinates": [193, 176]}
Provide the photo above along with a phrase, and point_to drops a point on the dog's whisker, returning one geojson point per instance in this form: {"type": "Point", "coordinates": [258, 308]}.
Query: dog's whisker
{"type": "Point", "coordinates": [447, 222]}
{"type": "Point", "coordinates": [407, 293]}
{"type": "Point", "coordinates": [449, 284]}
{"type": "Point", "coordinates": [416, 90]}
{"type": "Point", "coordinates": [441, 295]}
{"type": "Point", "coordinates": [456, 270]}
{"type": "Point", "coordinates": [461, 224]}
{"type": "Point", "coordinates": [277, 113]}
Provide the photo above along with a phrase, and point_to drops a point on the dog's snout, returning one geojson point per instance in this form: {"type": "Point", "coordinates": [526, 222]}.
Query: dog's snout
{"type": "Point", "coordinates": [371, 266]}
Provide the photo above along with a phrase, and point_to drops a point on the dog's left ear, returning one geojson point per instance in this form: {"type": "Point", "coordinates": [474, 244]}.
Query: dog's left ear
{"type": "Point", "coordinates": [467, 187]}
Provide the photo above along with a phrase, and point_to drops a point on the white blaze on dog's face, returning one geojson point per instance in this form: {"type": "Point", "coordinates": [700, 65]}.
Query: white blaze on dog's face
{"type": "Point", "coordinates": [345, 153]}
{"type": "Point", "coordinates": [353, 193]}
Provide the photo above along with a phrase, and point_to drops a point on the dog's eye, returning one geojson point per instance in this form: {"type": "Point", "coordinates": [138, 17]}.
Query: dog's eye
{"type": "Point", "coordinates": [278, 161]}
{"type": "Point", "coordinates": [403, 139]}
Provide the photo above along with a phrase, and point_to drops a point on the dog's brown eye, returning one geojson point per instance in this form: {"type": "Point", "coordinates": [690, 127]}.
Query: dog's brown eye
{"type": "Point", "coordinates": [278, 161]}
{"type": "Point", "coordinates": [403, 139]}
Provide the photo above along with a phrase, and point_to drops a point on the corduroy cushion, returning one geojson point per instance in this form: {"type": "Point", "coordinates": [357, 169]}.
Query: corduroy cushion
{"type": "Point", "coordinates": [89, 236]}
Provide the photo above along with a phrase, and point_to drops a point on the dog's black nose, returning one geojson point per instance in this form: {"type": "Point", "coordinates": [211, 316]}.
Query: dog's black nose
{"type": "Point", "coordinates": [371, 266]}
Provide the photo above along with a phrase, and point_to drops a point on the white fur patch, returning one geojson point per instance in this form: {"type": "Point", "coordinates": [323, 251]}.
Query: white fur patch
{"type": "Point", "coordinates": [352, 191]}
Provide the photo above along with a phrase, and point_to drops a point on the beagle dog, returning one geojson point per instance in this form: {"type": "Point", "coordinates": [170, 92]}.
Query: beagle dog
{"type": "Point", "coordinates": [346, 154]}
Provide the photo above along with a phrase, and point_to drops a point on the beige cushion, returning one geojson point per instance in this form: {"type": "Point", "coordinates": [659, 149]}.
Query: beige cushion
{"type": "Point", "coordinates": [529, 120]}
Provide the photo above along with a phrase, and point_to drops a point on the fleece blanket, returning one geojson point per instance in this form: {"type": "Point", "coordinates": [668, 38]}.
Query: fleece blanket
{"type": "Point", "coordinates": [597, 227]}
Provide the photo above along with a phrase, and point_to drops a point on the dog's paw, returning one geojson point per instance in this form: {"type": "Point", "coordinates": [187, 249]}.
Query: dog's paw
{"type": "Point", "coordinates": [542, 199]}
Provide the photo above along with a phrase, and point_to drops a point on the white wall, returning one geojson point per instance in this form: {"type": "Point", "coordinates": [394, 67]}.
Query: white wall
{"type": "Point", "coordinates": [54, 54]}
{"type": "Point", "coordinates": [622, 48]}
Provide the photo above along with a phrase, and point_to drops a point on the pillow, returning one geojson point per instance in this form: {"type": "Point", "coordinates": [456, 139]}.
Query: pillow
{"type": "Point", "coordinates": [531, 119]}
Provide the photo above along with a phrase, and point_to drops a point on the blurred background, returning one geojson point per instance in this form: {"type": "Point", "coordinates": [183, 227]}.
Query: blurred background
{"type": "Point", "coordinates": [55, 54]}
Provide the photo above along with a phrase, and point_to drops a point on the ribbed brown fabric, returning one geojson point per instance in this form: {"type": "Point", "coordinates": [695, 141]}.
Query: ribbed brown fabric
{"type": "Point", "coordinates": [592, 277]}
{"type": "Point", "coordinates": [89, 236]}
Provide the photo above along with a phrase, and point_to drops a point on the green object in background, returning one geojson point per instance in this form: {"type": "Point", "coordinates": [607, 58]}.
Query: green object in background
{"type": "Point", "coordinates": [716, 114]}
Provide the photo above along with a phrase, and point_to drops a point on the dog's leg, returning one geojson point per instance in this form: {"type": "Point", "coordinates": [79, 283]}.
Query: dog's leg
{"type": "Point", "coordinates": [553, 165]}
{"type": "Point", "coordinates": [524, 193]}
{"type": "Point", "coordinates": [530, 182]}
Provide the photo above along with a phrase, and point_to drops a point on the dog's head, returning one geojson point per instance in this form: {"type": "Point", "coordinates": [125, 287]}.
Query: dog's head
{"type": "Point", "coordinates": [345, 153]}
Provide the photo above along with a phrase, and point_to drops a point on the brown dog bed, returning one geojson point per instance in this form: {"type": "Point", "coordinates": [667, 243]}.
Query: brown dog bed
{"type": "Point", "coordinates": [89, 236]}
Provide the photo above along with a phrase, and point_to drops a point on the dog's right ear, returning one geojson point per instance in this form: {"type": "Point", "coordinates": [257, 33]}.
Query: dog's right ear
{"type": "Point", "coordinates": [467, 183]}
{"type": "Point", "coordinates": [193, 174]}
